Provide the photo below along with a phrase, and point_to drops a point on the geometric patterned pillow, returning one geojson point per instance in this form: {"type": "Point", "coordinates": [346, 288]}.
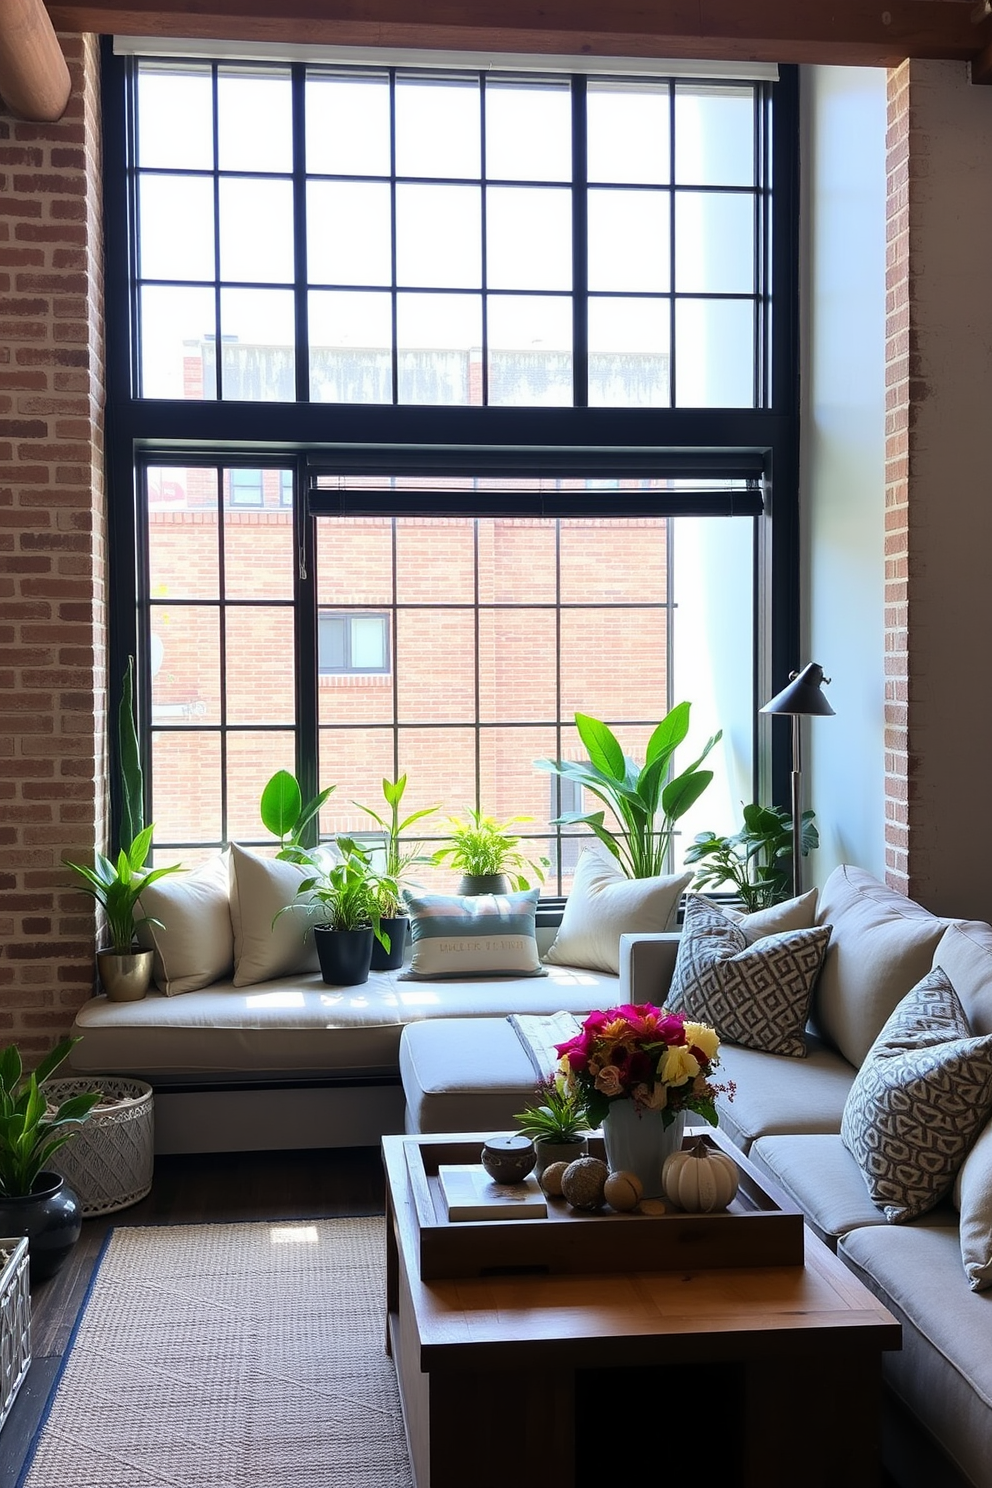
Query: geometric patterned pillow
{"type": "Point", "coordinates": [919, 1100]}
{"type": "Point", "coordinates": [754, 994]}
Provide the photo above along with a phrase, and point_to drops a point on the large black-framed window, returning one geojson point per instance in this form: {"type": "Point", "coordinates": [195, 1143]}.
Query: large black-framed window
{"type": "Point", "coordinates": [756, 438]}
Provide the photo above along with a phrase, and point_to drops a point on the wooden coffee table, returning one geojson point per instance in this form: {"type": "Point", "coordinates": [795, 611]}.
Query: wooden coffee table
{"type": "Point", "coordinates": [761, 1376]}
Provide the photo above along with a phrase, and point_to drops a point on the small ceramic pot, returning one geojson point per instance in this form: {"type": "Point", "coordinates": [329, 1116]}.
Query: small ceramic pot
{"type": "Point", "coordinates": [508, 1159]}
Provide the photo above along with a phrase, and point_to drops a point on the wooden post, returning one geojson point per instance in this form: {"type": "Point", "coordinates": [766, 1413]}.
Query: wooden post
{"type": "Point", "coordinates": [34, 78]}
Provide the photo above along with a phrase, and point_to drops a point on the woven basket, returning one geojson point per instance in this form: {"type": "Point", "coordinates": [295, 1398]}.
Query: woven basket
{"type": "Point", "coordinates": [109, 1161]}
{"type": "Point", "coordinates": [15, 1321]}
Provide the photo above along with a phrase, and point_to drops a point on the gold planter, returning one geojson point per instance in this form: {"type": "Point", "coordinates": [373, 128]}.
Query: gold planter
{"type": "Point", "coordinates": [125, 978]}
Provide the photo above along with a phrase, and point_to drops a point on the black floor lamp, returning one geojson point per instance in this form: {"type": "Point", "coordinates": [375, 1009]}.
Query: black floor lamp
{"type": "Point", "coordinates": [801, 699]}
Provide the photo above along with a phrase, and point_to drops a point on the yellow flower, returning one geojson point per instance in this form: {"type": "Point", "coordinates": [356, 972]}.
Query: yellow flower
{"type": "Point", "coordinates": [703, 1036]}
{"type": "Point", "coordinates": [677, 1065]}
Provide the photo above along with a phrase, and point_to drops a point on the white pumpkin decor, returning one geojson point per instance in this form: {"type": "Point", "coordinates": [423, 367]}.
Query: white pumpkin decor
{"type": "Point", "coordinates": [700, 1178]}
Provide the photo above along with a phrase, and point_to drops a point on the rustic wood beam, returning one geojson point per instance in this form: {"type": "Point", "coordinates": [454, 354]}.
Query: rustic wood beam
{"type": "Point", "coordinates": [34, 78]}
{"type": "Point", "coordinates": [879, 33]}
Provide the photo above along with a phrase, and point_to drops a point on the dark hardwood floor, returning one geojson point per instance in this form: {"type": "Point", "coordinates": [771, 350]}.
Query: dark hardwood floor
{"type": "Point", "coordinates": [187, 1190]}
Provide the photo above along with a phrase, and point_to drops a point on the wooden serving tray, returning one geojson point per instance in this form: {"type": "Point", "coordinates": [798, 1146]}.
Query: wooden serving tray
{"type": "Point", "coordinates": [760, 1228]}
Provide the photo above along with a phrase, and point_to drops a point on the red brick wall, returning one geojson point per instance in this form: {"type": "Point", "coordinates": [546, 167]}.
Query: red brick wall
{"type": "Point", "coordinates": [52, 553]}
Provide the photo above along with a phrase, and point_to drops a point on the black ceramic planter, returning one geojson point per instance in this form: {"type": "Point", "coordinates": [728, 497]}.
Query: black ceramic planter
{"type": "Point", "coordinates": [483, 883]}
{"type": "Point", "coordinates": [51, 1217]}
{"type": "Point", "coordinates": [383, 960]}
{"type": "Point", "coordinates": [345, 956]}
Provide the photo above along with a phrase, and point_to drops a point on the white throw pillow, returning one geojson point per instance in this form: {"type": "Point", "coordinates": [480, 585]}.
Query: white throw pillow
{"type": "Point", "coordinates": [604, 904]}
{"type": "Point", "coordinates": [195, 944]}
{"type": "Point", "coordinates": [260, 888]}
{"type": "Point", "coordinates": [791, 914]}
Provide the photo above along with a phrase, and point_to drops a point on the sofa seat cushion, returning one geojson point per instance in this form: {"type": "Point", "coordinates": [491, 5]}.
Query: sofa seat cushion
{"type": "Point", "coordinates": [464, 1074]}
{"type": "Point", "coordinates": [299, 1025]}
{"type": "Point", "coordinates": [818, 1173]}
{"type": "Point", "coordinates": [944, 1371]}
{"type": "Point", "coordinates": [777, 1094]}
{"type": "Point", "coordinates": [882, 945]}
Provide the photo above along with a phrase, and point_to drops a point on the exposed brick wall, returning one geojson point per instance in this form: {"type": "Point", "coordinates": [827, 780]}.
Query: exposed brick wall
{"type": "Point", "coordinates": [898, 366]}
{"type": "Point", "coordinates": [52, 552]}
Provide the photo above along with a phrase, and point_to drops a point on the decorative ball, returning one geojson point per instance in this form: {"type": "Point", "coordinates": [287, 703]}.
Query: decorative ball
{"type": "Point", "coordinates": [583, 1182]}
{"type": "Point", "coordinates": [509, 1159]}
{"type": "Point", "coordinates": [550, 1179]}
{"type": "Point", "coordinates": [623, 1190]}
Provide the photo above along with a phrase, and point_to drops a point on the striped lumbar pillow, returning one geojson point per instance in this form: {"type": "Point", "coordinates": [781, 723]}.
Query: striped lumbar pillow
{"type": "Point", "coordinates": [468, 935]}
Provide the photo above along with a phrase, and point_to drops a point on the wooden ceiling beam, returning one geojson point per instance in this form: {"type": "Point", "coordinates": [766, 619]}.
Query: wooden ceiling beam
{"type": "Point", "coordinates": [879, 33]}
{"type": "Point", "coordinates": [34, 78]}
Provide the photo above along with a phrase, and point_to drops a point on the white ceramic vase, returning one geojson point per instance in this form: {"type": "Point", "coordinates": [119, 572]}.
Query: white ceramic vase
{"type": "Point", "coordinates": [638, 1142]}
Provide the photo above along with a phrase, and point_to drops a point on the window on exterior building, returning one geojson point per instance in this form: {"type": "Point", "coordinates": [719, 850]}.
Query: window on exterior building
{"type": "Point", "coordinates": [497, 405]}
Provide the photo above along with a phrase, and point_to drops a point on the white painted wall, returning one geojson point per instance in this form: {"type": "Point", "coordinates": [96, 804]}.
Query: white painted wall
{"type": "Point", "coordinates": [843, 453]}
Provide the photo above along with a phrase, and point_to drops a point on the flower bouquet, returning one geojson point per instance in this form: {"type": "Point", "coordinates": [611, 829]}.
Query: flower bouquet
{"type": "Point", "coordinates": [644, 1054]}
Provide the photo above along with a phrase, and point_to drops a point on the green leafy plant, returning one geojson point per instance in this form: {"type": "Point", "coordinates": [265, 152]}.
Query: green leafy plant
{"type": "Point", "coordinates": [558, 1115]}
{"type": "Point", "coordinates": [645, 807]}
{"type": "Point", "coordinates": [398, 859]}
{"type": "Point", "coordinates": [117, 884]}
{"type": "Point", "coordinates": [480, 846]}
{"type": "Point", "coordinates": [32, 1131]}
{"type": "Point", "coordinates": [284, 813]}
{"type": "Point", "coordinates": [757, 860]}
{"type": "Point", "coordinates": [344, 893]}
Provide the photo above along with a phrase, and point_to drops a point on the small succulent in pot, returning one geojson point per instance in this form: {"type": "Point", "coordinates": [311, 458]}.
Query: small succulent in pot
{"type": "Point", "coordinates": [556, 1121]}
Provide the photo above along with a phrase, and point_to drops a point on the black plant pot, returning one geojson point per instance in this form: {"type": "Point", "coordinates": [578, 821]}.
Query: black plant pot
{"type": "Point", "coordinates": [383, 960]}
{"type": "Point", "coordinates": [51, 1216]}
{"type": "Point", "coordinates": [484, 883]}
{"type": "Point", "coordinates": [344, 955]}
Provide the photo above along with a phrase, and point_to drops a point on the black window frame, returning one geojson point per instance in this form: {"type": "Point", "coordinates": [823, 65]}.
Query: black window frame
{"type": "Point", "coordinates": [302, 433]}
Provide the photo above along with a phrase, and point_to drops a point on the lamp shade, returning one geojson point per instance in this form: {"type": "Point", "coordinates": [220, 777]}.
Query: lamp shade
{"type": "Point", "coordinates": [802, 695]}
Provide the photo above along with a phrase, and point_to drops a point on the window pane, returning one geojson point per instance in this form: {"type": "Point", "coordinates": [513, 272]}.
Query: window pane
{"type": "Point", "coordinates": [628, 241]}
{"type": "Point", "coordinates": [186, 794]}
{"type": "Point", "coordinates": [347, 124]}
{"type": "Point", "coordinates": [441, 763]}
{"type": "Point", "coordinates": [258, 345]}
{"type": "Point", "coordinates": [516, 665]}
{"type": "Point", "coordinates": [260, 665]}
{"type": "Point", "coordinates": [351, 339]}
{"type": "Point", "coordinates": [517, 560]}
{"type": "Point", "coordinates": [258, 555]}
{"type": "Point", "coordinates": [528, 131]}
{"type": "Point", "coordinates": [438, 237]}
{"type": "Point", "coordinates": [354, 556]}
{"type": "Point", "coordinates": [435, 561]}
{"type": "Point", "coordinates": [176, 227]}
{"type": "Point", "coordinates": [529, 237]}
{"type": "Point", "coordinates": [349, 232]}
{"type": "Point", "coordinates": [438, 341]}
{"type": "Point", "coordinates": [437, 127]}
{"type": "Point", "coordinates": [369, 643]}
{"type": "Point", "coordinates": [186, 687]}
{"type": "Point", "coordinates": [254, 120]}
{"type": "Point", "coordinates": [175, 326]}
{"type": "Point", "coordinates": [530, 351]}
{"type": "Point", "coordinates": [357, 760]}
{"type": "Point", "coordinates": [253, 757]}
{"type": "Point", "coordinates": [636, 673]}
{"type": "Point", "coordinates": [510, 785]}
{"type": "Point", "coordinates": [714, 243]}
{"type": "Point", "coordinates": [629, 353]}
{"type": "Point", "coordinates": [175, 117]}
{"type": "Point", "coordinates": [715, 366]}
{"type": "Point", "coordinates": [357, 699]}
{"type": "Point", "coordinates": [714, 134]}
{"type": "Point", "coordinates": [256, 230]}
{"type": "Point", "coordinates": [628, 132]}
{"type": "Point", "coordinates": [435, 666]}
{"type": "Point", "coordinates": [332, 643]}
{"type": "Point", "coordinates": [183, 558]}
{"type": "Point", "coordinates": [595, 552]}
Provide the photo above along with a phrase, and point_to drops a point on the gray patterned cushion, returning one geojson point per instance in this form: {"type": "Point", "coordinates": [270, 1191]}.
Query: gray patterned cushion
{"type": "Point", "coordinates": [918, 1100]}
{"type": "Point", "coordinates": [754, 994]}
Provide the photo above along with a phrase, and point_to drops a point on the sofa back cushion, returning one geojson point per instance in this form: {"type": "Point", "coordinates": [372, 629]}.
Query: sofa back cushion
{"type": "Point", "coordinates": [194, 941]}
{"type": "Point", "coordinates": [882, 945]}
{"type": "Point", "coordinates": [964, 952]}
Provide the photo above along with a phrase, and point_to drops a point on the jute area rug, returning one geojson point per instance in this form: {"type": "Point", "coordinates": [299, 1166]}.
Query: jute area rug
{"type": "Point", "coordinates": [216, 1356]}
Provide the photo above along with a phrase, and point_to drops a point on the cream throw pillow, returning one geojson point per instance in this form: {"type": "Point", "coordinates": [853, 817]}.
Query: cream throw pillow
{"type": "Point", "coordinates": [195, 944]}
{"type": "Point", "coordinates": [792, 914]}
{"type": "Point", "coordinates": [260, 888]}
{"type": "Point", "coordinates": [604, 904]}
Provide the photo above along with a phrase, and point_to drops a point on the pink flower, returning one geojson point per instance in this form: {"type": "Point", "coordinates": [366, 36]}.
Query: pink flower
{"type": "Point", "coordinates": [608, 1081]}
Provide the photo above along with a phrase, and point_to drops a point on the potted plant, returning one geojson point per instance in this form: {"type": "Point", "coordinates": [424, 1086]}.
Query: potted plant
{"type": "Point", "coordinates": [341, 898]}
{"type": "Point", "coordinates": [34, 1199]}
{"type": "Point", "coordinates": [556, 1122]}
{"type": "Point", "coordinates": [117, 884]}
{"type": "Point", "coordinates": [488, 854]}
{"type": "Point", "coordinates": [646, 808]}
{"type": "Point", "coordinates": [285, 814]}
{"type": "Point", "coordinates": [397, 861]}
{"type": "Point", "coordinates": [757, 860]}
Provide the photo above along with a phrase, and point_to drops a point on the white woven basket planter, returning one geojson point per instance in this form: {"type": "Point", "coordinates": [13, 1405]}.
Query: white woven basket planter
{"type": "Point", "coordinates": [15, 1321]}
{"type": "Point", "coordinates": [109, 1161]}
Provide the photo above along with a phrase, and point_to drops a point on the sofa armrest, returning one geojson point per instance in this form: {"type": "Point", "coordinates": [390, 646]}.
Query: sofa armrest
{"type": "Point", "coordinates": [646, 966]}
